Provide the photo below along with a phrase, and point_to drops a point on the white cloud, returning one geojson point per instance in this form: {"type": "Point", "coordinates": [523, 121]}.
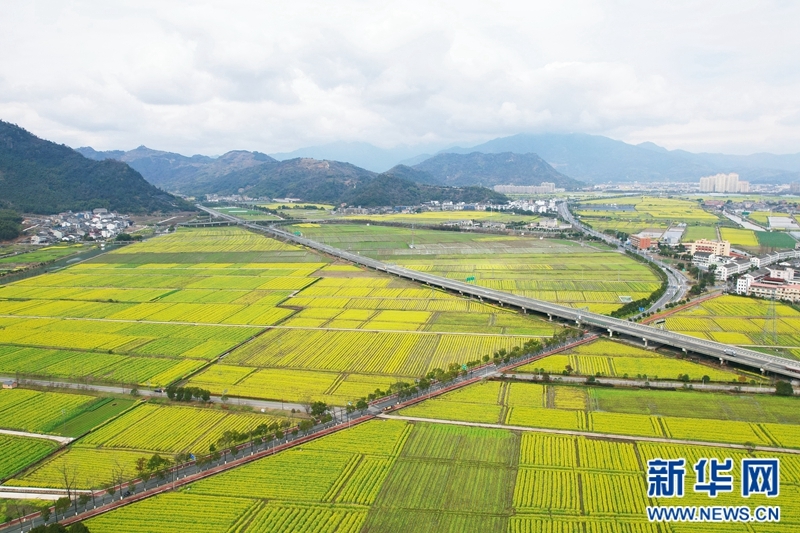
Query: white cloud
{"type": "Point", "coordinates": [275, 76]}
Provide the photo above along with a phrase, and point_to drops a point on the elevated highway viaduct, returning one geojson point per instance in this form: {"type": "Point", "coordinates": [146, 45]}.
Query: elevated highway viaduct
{"type": "Point", "coordinates": [725, 353]}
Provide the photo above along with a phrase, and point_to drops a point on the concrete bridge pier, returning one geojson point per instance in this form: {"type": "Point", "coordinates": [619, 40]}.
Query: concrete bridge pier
{"type": "Point", "coordinates": [549, 317]}
{"type": "Point", "coordinates": [610, 333]}
{"type": "Point", "coordinates": [645, 342]}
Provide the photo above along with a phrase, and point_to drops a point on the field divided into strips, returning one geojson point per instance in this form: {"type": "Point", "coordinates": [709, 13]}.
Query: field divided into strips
{"type": "Point", "coordinates": [742, 321]}
{"type": "Point", "coordinates": [715, 417]}
{"type": "Point", "coordinates": [141, 432]}
{"type": "Point", "coordinates": [632, 214]}
{"type": "Point", "coordinates": [615, 359]}
{"type": "Point", "coordinates": [18, 452]}
{"type": "Point", "coordinates": [339, 366]}
{"type": "Point", "coordinates": [551, 269]}
{"type": "Point", "coordinates": [114, 319]}
{"type": "Point", "coordinates": [325, 486]}
{"type": "Point", "coordinates": [181, 300]}
{"type": "Point", "coordinates": [389, 476]}
{"type": "Point", "coordinates": [40, 412]}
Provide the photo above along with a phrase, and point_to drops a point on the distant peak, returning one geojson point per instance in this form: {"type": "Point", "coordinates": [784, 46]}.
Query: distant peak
{"type": "Point", "coordinates": [647, 145]}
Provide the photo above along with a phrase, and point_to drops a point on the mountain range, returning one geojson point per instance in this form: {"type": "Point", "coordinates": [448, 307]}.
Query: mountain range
{"type": "Point", "coordinates": [592, 158]}
{"type": "Point", "coordinates": [39, 176]}
{"type": "Point", "coordinates": [258, 174]}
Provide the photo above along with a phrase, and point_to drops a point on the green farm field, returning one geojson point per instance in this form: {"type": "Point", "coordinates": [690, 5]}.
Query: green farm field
{"type": "Point", "coordinates": [631, 214]}
{"type": "Point", "coordinates": [555, 270]}
{"type": "Point", "coordinates": [159, 311]}
{"type": "Point", "coordinates": [41, 412]}
{"type": "Point", "coordinates": [141, 432]}
{"type": "Point", "coordinates": [389, 476]}
{"type": "Point", "coordinates": [742, 321]}
{"type": "Point", "coordinates": [18, 452]}
{"type": "Point", "coordinates": [697, 416]}
{"type": "Point", "coordinates": [775, 239]}
{"type": "Point", "coordinates": [614, 359]}
{"type": "Point", "coordinates": [30, 254]}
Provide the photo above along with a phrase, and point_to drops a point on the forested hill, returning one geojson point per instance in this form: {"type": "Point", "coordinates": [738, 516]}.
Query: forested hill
{"type": "Point", "coordinates": [388, 189]}
{"type": "Point", "coordinates": [493, 169]}
{"type": "Point", "coordinates": [176, 172]}
{"type": "Point", "coordinates": [39, 176]}
{"type": "Point", "coordinates": [342, 183]}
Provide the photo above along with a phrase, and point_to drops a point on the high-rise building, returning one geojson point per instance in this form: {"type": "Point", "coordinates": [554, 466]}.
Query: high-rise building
{"type": "Point", "coordinates": [723, 183]}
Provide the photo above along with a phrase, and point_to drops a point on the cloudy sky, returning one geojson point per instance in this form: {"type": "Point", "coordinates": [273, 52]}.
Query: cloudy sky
{"type": "Point", "coordinates": [208, 77]}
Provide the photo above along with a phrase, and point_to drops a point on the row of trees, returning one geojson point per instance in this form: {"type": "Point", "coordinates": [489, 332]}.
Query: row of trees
{"type": "Point", "coordinates": [187, 394]}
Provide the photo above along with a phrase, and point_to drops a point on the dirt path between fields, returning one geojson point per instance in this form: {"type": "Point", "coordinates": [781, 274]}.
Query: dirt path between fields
{"type": "Point", "coordinates": [58, 439]}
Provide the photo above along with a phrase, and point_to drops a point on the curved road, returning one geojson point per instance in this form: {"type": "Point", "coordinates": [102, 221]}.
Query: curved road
{"type": "Point", "coordinates": [678, 284]}
{"type": "Point", "coordinates": [757, 360]}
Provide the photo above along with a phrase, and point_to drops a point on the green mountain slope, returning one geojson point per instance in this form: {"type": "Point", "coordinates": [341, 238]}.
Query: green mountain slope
{"type": "Point", "coordinates": [39, 176]}
{"type": "Point", "coordinates": [493, 169]}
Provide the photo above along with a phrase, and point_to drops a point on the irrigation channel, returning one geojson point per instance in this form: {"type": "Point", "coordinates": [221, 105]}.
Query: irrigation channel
{"type": "Point", "coordinates": [725, 353]}
{"type": "Point", "coordinates": [136, 490]}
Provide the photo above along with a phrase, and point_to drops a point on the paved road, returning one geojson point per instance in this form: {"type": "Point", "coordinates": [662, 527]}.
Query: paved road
{"type": "Point", "coordinates": [255, 404]}
{"type": "Point", "coordinates": [577, 433]}
{"type": "Point", "coordinates": [678, 283]}
{"type": "Point", "coordinates": [750, 358]}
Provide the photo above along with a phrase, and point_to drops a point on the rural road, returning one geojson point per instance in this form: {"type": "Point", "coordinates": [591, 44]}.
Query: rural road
{"type": "Point", "coordinates": [641, 383]}
{"type": "Point", "coordinates": [678, 284]}
{"type": "Point", "coordinates": [577, 433]}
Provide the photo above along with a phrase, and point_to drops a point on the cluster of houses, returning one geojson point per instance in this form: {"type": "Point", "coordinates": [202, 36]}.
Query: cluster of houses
{"type": "Point", "coordinates": [778, 283]}
{"type": "Point", "coordinates": [767, 276]}
{"type": "Point", "coordinates": [98, 224]}
{"type": "Point", "coordinates": [534, 206]}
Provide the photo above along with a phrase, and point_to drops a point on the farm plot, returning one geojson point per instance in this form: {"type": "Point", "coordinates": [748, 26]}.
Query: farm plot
{"type": "Point", "coordinates": [434, 476]}
{"type": "Point", "coordinates": [18, 452]}
{"type": "Point", "coordinates": [101, 367]}
{"type": "Point", "coordinates": [40, 412]}
{"type": "Point", "coordinates": [765, 420]}
{"type": "Point", "coordinates": [400, 354]}
{"type": "Point", "coordinates": [554, 270]}
{"type": "Point", "coordinates": [739, 237]}
{"type": "Point", "coordinates": [743, 321]}
{"type": "Point", "coordinates": [608, 358]}
{"type": "Point", "coordinates": [152, 428]}
{"type": "Point", "coordinates": [775, 239]}
{"type": "Point", "coordinates": [140, 432]}
{"type": "Point", "coordinates": [634, 214]}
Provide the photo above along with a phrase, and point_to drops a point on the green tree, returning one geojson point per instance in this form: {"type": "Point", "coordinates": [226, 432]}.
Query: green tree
{"type": "Point", "coordinates": [61, 505]}
{"type": "Point", "coordinates": [44, 512]}
{"type": "Point", "coordinates": [319, 409]}
{"type": "Point", "coordinates": [783, 388]}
